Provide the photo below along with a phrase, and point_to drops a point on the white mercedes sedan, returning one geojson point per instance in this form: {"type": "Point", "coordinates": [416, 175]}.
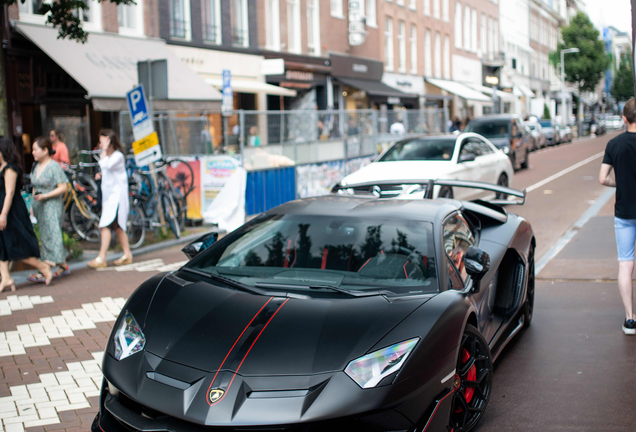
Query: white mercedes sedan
{"type": "Point", "coordinates": [467, 156]}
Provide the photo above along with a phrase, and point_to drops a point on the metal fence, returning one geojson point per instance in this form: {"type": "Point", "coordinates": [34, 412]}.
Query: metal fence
{"type": "Point", "coordinates": [264, 139]}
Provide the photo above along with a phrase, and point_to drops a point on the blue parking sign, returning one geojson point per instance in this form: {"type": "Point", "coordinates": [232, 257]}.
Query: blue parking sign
{"type": "Point", "coordinates": [141, 122]}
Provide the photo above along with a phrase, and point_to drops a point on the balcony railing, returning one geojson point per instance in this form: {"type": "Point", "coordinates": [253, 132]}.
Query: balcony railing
{"type": "Point", "coordinates": [211, 34]}
{"type": "Point", "coordinates": [239, 37]}
{"type": "Point", "coordinates": [178, 28]}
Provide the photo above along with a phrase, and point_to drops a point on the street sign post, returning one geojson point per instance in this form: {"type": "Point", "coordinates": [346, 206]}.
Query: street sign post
{"type": "Point", "coordinates": [227, 102]}
{"type": "Point", "coordinates": [146, 146]}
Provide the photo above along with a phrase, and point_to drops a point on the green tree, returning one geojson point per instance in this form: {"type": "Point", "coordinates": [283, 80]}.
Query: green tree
{"type": "Point", "coordinates": [623, 85]}
{"type": "Point", "coordinates": [546, 112]}
{"type": "Point", "coordinates": [64, 15]}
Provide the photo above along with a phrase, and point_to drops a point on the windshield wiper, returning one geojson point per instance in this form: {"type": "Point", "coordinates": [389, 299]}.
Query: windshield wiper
{"type": "Point", "coordinates": [225, 280]}
{"type": "Point", "coordinates": [317, 287]}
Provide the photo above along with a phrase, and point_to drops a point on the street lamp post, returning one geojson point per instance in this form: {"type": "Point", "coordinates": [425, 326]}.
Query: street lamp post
{"type": "Point", "coordinates": [563, 52]}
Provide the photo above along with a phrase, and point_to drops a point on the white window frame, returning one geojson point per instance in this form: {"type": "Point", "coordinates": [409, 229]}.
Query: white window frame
{"type": "Point", "coordinates": [244, 23]}
{"type": "Point", "coordinates": [466, 28]}
{"type": "Point", "coordinates": [438, 55]}
{"type": "Point", "coordinates": [399, 2]}
{"type": "Point", "coordinates": [447, 65]}
{"type": "Point", "coordinates": [336, 9]}
{"type": "Point", "coordinates": [313, 49]}
{"type": "Point", "coordinates": [188, 20]}
{"type": "Point", "coordinates": [483, 39]}
{"type": "Point", "coordinates": [428, 58]}
{"type": "Point", "coordinates": [388, 44]}
{"type": "Point", "coordinates": [412, 4]}
{"type": "Point", "coordinates": [216, 4]}
{"type": "Point", "coordinates": [401, 36]}
{"type": "Point", "coordinates": [446, 10]}
{"type": "Point", "coordinates": [495, 35]}
{"type": "Point", "coordinates": [413, 41]}
{"type": "Point", "coordinates": [27, 15]}
{"type": "Point", "coordinates": [95, 24]}
{"type": "Point", "coordinates": [138, 30]}
{"type": "Point", "coordinates": [427, 7]}
{"type": "Point", "coordinates": [272, 30]}
{"type": "Point", "coordinates": [437, 14]}
{"type": "Point", "coordinates": [371, 12]}
{"type": "Point", "coordinates": [294, 42]}
{"type": "Point", "coordinates": [473, 30]}
{"type": "Point", "coordinates": [458, 25]}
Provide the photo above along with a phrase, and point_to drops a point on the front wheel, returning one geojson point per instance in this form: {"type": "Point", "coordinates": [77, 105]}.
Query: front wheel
{"type": "Point", "coordinates": [472, 382]}
{"type": "Point", "coordinates": [171, 214]}
{"type": "Point", "coordinates": [503, 181]}
{"type": "Point", "coordinates": [84, 222]}
{"type": "Point", "coordinates": [136, 229]}
{"type": "Point", "coordinates": [526, 161]}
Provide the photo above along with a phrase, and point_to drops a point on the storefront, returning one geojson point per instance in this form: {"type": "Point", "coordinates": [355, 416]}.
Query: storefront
{"type": "Point", "coordinates": [408, 84]}
{"type": "Point", "coordinates": [467, 103]}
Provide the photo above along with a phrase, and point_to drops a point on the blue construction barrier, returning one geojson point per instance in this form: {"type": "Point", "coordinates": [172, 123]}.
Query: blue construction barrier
{"type": "Point", "coordinates": [266, 189]}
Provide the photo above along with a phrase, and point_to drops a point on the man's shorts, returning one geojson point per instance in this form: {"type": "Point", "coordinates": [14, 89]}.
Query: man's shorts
{"type": "Point", "coordinates": [625, 238]}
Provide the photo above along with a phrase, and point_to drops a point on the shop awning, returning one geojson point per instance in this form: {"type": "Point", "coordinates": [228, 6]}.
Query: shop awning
{"type": "Point", "coordinates": [247, 86]}
{"type": "Point", "coordinates": [525, 90]}
{"type": "Point", "coordinates": [106, 66]}
{"type": "Point", "coordinates": [459, 89]}
{"type": "Point", "coordinates": [375, 88]}
{"type": "Point", "coordinates": [489, 91]}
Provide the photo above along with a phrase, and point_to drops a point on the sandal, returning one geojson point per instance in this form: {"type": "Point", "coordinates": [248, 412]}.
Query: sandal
{"type": "Point", "coordinates": [123, 260]}
{"type": "Point", "coordinates": [97, 263]}
{"type": "Point", "coordinates": [63, 270]}
{"type": "Point", "coordinates": [36, 277]}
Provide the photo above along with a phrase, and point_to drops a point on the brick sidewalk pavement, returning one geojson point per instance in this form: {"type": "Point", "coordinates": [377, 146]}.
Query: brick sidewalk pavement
{"type": "Point", "coordinates": [51, 343]}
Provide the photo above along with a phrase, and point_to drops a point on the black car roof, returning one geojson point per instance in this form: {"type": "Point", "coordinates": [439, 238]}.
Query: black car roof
{"type": "Point", "coordinates": [366, 207]}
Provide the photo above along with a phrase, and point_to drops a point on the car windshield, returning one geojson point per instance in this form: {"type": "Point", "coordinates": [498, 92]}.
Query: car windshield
{"type": "Point", "coordinates": [440, 149]}
{"type": "Point", "coordinates": [546, 123]}
{"type": "Point", "coordinates": [490, 129]}
{"type": "Point", "coordinates": [300, 251]}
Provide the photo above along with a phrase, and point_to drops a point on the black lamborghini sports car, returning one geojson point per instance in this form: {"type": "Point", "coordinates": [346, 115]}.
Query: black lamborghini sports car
{"type": "Point", "coordinates": [341, 312]}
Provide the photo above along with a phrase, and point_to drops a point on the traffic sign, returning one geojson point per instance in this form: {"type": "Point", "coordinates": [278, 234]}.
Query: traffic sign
{"type": "Point", "coordinates": [227, 101]}
{"type": "Point", "coordinates": [147, 150]}
{"type": "Point", "coordinates": [141, 122]}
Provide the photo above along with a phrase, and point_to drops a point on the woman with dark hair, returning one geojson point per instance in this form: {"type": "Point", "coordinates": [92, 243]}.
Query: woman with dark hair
{"type": "Point", "coordinates": [114, 198]}
{"type": "Point", "coordinates": [60, 153]}
{"type": "Point", "coordinates": [49, 186]}
{"type": "Point", "coordinates": [17, 239]}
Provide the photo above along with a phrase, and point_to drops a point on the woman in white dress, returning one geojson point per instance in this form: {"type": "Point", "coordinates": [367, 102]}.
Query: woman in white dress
{"type": "Point", "coordinates": [114, 198]}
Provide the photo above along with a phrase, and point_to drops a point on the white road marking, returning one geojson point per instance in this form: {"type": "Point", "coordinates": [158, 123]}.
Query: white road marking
{"type": "Point", "coordinates": [156, 265]}
{"type": "Point", "coordinates": [39, 404]}
{"type": "Point", "coordinates": [40, 334]}
{"type": "Point", "coordinates": [563, 172]}
{"type": "Point", "coordinates": [14, 303]}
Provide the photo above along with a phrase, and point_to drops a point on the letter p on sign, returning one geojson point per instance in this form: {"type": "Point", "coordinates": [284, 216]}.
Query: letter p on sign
{"type": "Point", "coordinates": [135, 97]}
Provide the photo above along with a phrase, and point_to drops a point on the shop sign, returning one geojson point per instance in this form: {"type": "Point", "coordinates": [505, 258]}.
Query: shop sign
{"type": "Point", "coordinates": [227, 101]}
{"type": "Point", "coordinates": [354, 67]}
{"type": "Point", "coordinates": [393, 100]}
{"type": "Point", "coordinates": [357, 30]}
{"type": "Point", "coordinates": [405, 83]}
{"type": "Point", "coordinates": [293, 75]}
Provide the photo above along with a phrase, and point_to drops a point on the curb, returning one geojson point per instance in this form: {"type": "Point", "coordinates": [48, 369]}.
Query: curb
{"type": "Point", "coordinates": [21, 276]}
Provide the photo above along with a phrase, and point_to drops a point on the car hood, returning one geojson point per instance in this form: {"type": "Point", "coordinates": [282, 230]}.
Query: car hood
{"type": "Point", "coordinates": [402, 170]}
{"type": "Point", "coordinates": [499, 142]}
{"type": "Point", "coordinates": [204, 326]}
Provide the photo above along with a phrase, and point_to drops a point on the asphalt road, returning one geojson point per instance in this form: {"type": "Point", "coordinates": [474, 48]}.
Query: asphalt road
{"type": "Point", "coordinates": [572, 369]}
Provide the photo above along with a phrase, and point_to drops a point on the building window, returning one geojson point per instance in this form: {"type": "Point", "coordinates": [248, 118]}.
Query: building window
{"type": "Point", "coordinates": [131, 19]}
{"type": "Point", "coordinates": [336, 8]}
{"type": "Point", "coordinates": [180, 19]}
{"type": "Point", "coordinates": [313, 27]}
{"type": "Point", "coordinates": [482, 37]}
{"type": "Point", "coordinates": [293, 26]}
{"type": "Point", "coordinates": [240, 29]}
{"type": "Point", "coordinates": [90, 16]}
{"type": "Point", "coordinates": [272, 15]}
{"type": "Point", "coordinates": [212, 21]}
{"type": "Point", "coordinates": [428, 62]}
{"type": "Point", "coordinates": [30, 11]}
{"type": "Point", "coordinates": [400, 2]}
{"type": "Point", "coordinates": [438, 56]}
{"type": "Point", "coordinates": [413, 41]}
{"type": "Point", "coordinates": [458, 25]}
{"type": "Point", "coordinates": [495, 36]}
{"type": "Point", "coordinates": [371, 14]}
{"type": "Point", "coordinates": [489, 35]}
{"type": "Point", "coordinates": [445, 10]}
{"type": "Point", "coordinates": [447, 69]}
{"type": "Point", "coordinates": [427, 7]}
{"type": "Point", "coordinates": [466, 28]}
{"type": "Point", "coordinates": [473, 30]}
{"type": "Point", "coordinates": [401, 47]}
{"type": "Point", "coordinates": [436, 11]}
{"type": "Point", "coordinates": [388, 44]}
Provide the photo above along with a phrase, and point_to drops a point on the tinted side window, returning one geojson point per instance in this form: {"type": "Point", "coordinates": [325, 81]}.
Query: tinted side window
{"type": "Point", "coordinates": [471, 147]}
{"type": "Point", "coordinates": [457, 239]}
{"type": "Point", "coordinates": [484, 148]}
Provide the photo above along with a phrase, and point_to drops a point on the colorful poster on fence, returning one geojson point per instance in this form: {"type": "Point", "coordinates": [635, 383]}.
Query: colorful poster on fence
{"type": "Point", "coordinates": [215, 171]}
{"type": "Point", "coordinates": [194, 196]}
{"type": "Point", "coordinates": [318, 179]}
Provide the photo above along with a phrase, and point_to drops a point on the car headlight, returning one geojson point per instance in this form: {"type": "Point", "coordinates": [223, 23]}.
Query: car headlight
{"type": "Point", "coordinates": [505, 149]}
{"type": "Point", "coordinates": [367, 371]}
{"type": "Point", "coordinates": [129, 339]}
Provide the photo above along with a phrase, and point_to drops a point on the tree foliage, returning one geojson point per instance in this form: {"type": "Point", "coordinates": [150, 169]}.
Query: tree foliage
{"type": "Point", "coordinates": [623, 85]}
{"type": "Point", "coordinates": [64, 15]}
{"type": "Point", "coordinates": [585, 68]}
{"type": "Point", "coordinates": [546, 112]}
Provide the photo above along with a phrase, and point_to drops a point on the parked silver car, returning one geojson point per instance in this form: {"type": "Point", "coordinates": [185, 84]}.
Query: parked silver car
{"type": "Point", "coordinates": [537, 132]}
{"type": "Point", "coordinates": [566, 134]}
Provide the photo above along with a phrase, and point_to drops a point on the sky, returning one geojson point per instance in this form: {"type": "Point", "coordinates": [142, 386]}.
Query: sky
{"type": "Point", "coordinates": [617, 13]}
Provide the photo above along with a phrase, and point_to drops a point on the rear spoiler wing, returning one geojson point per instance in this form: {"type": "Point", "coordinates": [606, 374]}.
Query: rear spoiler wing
{"type": "Point", "coordinates": [427, 186]}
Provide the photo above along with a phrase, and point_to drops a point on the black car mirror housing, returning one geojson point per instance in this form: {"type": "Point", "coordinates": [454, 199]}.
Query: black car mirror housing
{"type": "Point", "coordinates": [194, 248]}
{"type": "Point", "coordinates": [477, 264]}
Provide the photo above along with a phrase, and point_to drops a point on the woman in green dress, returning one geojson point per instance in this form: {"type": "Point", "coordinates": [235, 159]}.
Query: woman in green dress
{"type": "Point", "coordinates": [49, 186]}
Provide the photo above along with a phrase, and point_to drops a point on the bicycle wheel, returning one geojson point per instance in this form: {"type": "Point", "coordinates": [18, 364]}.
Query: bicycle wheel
{"type": "Point", "coordinates": [181, 175]}
{"type": "Point", "coordinates": [136, 229]}
{"type": "Point", "coordinates": [84, 222]}
{"type": "Point", "coordinates": [171, 214]}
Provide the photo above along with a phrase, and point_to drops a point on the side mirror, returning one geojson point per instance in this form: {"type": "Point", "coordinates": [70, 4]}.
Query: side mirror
{"type": "Point", "coordinates": [467, 157]}
{"type": "Point", "coordinates": [477, 264]}
{"type": "Point", "coordinates": [199, 245]}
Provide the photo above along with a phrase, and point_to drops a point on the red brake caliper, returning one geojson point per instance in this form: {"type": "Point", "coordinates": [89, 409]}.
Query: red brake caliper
{"type": "Point", "coordinates": [470, 376]}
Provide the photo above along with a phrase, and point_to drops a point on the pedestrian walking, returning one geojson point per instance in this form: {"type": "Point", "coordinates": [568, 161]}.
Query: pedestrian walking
{"type": "Point", "coordinates": [60, 154]}
{"type": "Point", "coordinates": [112, 164]}
{"type": "Point", "coordinates": [620, 156]}
{"type": "Point", "coordinates": [397, 128]}
{"type": "Point", "coordinates": [17, 239]}
{"type": "Point", "coordinates": [49, 186]}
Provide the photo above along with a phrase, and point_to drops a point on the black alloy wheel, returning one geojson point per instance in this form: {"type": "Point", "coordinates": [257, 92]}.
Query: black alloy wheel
{"type": "Point", "coordinates": [445, 192]}
{"type": "Point", "coordinates": [503, 181]}
{"type": "Point", "coordinates": [526, 162]}
{"type": "Point", "coordinates": [472, 381]}
{"type": "Point", "coordinates": [528, 306]}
